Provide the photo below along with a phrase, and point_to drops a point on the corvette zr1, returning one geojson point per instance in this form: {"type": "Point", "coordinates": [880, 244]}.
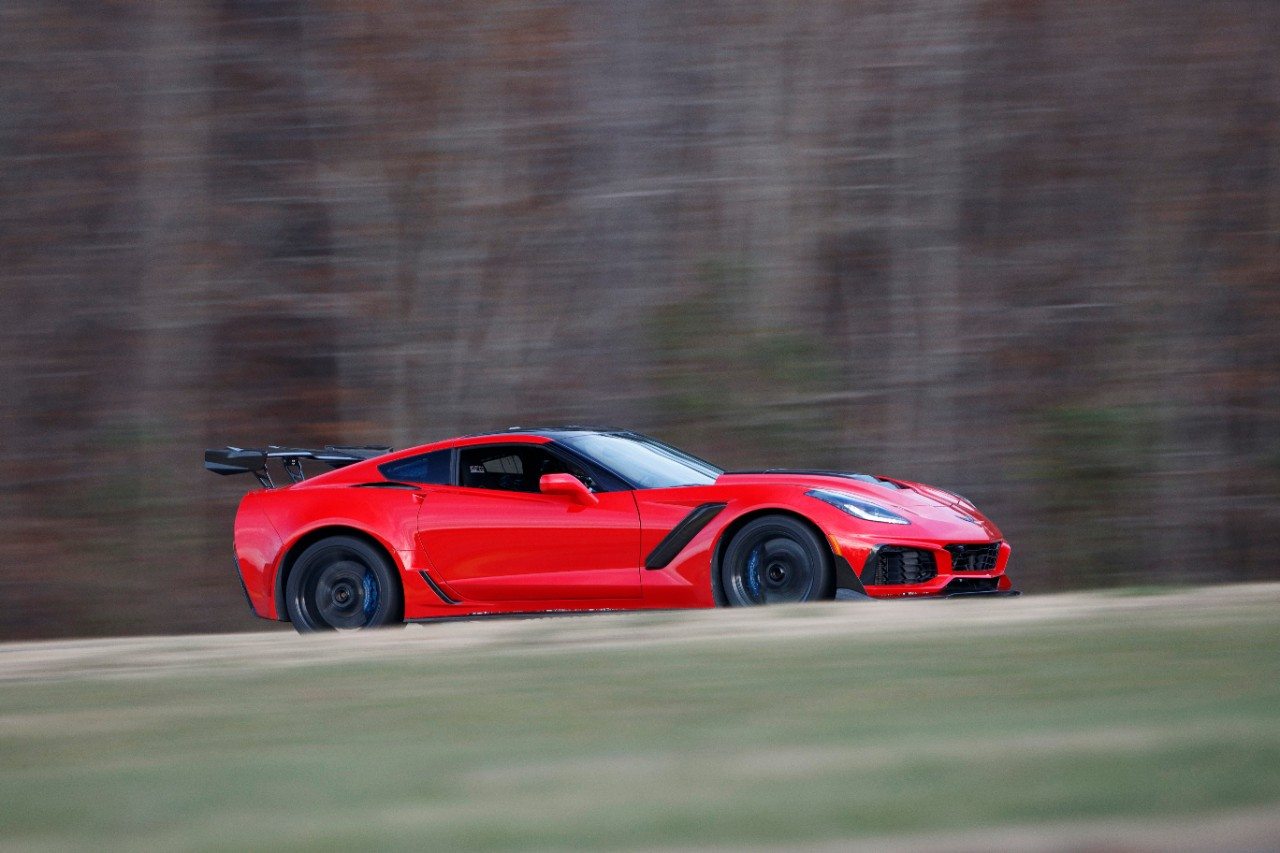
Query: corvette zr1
{"type": "Point", "coordinates": [577, 519]}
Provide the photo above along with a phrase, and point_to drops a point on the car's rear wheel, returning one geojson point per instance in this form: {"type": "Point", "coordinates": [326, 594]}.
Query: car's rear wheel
{"type": "Point", "coordinates": [776, 559]}
{"type": "Point", "coordinates": [342, 584]}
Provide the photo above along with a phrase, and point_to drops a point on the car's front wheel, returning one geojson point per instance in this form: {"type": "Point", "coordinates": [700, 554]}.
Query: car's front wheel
{"type": "Point", "coordinates": [776, 559]}
{"type": "Point", "coordinates": [342, 583]}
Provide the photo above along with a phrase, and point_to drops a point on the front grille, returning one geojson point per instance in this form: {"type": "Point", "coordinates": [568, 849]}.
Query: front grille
{"type": "Point", "coordinates": [974, 558]}
{"type": "Point", "coordinates": [904, 565]}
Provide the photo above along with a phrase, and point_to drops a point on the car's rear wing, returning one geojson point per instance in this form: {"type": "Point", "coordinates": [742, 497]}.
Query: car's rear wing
{"type": "Point", "coordinates": [253, 460]}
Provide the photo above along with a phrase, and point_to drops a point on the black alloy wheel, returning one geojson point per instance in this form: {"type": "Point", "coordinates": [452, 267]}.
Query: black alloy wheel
{"type": "Point", "coordinates": [342, 584]}
{"type": "Point", "coordinates": [776, 560]}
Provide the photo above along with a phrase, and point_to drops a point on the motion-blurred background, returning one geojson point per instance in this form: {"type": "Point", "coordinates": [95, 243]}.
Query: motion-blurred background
{"type": "Point", "coordinates": [1023, 249]}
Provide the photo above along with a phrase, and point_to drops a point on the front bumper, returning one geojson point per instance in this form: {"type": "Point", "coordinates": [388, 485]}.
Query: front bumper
{"type": "Point", "coordinates": [919, 569]}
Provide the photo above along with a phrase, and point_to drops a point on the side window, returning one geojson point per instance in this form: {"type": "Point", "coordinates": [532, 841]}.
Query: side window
{"type": "Point", "coordinates": [430, 468]}
{"type": "Point", "coordinates": [511, 464]}
{"type": "Point", "coordinates": [509, 468]}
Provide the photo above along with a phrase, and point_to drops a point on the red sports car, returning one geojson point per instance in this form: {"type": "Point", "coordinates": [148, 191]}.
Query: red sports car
{"type": "Point", "coordinates": [573, 519]}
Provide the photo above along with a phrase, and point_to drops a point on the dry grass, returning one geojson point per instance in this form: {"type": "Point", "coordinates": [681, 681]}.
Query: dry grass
{"type": "Point", "coordinates": [1052, 722]}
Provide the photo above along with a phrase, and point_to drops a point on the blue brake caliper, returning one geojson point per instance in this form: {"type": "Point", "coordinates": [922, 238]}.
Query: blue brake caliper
{"type": "Point", "coordinates": [753, 573]}
{"type": "Point", "coordinates": [370, 594]}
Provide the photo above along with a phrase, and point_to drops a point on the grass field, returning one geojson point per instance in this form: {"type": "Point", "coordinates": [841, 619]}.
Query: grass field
{"type": "Point", "coordinates": [929, 724]}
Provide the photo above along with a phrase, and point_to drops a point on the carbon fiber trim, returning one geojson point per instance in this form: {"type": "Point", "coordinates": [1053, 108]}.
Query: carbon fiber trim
{"type": "Point", "coordinates": [436, 589]}
{"type": "Point", "coordinates": [673, 543]}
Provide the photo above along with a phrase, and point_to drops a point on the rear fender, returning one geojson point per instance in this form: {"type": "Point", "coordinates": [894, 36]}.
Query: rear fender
{"type": "Point", "coordinates": [386, 517]}
{"type": "Point", "coordinates": [257, 548]}
{"type": "Point", "coordinates": [315, 534]}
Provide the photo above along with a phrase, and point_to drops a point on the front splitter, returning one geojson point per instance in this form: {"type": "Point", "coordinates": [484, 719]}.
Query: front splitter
{"type": "Point", "coordinates": [843, 594]}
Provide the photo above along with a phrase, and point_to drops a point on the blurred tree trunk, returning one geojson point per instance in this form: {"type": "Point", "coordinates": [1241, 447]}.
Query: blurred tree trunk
{"type": "Point", "coordinates": [173, 218]}
{"type": "Point", "coordinates": [927, 312]}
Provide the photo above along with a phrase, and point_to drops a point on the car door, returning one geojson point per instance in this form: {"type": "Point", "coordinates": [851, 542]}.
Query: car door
{"type": "Point", "coordinates": [492, 536]}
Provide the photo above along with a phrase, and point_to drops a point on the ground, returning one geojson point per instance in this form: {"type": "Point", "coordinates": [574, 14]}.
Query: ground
{"type": "Point", "coordinates": [1103, 721]}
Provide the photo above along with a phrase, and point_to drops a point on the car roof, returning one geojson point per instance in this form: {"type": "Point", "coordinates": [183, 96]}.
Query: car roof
{"type": "Point", "coordinates": [515, 433]}
{"type": "Point", "coordinates": [547, 431]}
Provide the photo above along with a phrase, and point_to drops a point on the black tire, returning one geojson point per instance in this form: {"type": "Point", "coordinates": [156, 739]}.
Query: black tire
{"type": "Point", "coordinates": [776, 559]}
{"type": "Point", "coordinates": [342, 583]}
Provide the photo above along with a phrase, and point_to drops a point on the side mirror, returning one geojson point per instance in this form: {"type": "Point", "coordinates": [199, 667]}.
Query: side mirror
{"type": "Point", "coordinates": [567, 485]}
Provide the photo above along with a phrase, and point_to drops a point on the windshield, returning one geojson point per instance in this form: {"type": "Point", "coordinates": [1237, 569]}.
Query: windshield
{"type": "Point", "coordinates": [642, 461]}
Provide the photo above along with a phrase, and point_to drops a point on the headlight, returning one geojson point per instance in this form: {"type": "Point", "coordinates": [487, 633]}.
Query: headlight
{"type": "Point", "coordinates": [857, 507]}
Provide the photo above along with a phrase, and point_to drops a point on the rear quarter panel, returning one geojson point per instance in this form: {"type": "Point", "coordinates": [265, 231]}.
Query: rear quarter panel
{"type": "Point", "coordinates": [270, 523]}
{"type": "Point", "coordinates": [257, 547]}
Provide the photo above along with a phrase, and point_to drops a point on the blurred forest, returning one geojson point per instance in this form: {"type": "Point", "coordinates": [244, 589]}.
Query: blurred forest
{"type": "Point", "coordinates": [1023, 249]}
